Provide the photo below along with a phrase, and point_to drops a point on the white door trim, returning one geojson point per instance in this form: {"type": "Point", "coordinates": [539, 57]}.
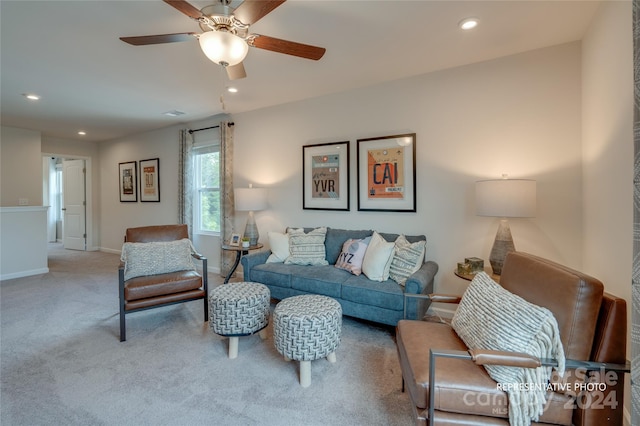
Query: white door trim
{"type": "Point", "coordinates": [89, 195]}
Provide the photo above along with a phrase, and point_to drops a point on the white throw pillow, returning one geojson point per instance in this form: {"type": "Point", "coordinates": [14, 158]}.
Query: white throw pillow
{"type": "Point", "coordinates": [279, 245]}
{"type": "Point", "coordinates": [141, 259]}
{"type": "Point", "coordinates": [377, 259]}
{"type": "Point", "coordinates": [407, 259]}
{"type": "Point", "coordinates": [307, 249]}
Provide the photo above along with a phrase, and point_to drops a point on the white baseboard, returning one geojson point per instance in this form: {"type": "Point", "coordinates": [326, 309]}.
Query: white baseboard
{"type": "Point", "coordinates": [24, 274]}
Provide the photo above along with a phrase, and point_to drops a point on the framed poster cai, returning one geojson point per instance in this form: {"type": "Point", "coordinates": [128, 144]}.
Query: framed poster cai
{"type": "Point", "coordinates": [150, 180]}
{"type": "Point", "coordinates": [325, 176]}
{"type": "Point", "coordinates": [387, 173]}
{"type": "Point", "coordinates": [128, 182]}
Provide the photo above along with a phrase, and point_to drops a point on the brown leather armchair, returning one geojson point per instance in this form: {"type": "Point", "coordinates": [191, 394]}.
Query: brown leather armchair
{"type": "Point", "coordinates": [447, 384]}
{"type": "Point", "coordinates": [153, 291]}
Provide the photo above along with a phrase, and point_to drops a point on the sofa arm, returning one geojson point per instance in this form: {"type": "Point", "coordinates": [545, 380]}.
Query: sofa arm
{"type": "Point", "coordinates": [421, 282]}
{"type": "Point", "coordinates": [253, 259]}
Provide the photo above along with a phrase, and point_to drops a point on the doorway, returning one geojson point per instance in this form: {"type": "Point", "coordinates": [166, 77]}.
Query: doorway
{"type": "Point", "coordinates": [67, 190]}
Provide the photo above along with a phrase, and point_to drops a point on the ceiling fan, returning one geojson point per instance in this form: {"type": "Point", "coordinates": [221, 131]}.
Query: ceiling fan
{"type": "Point", "coordinates": [225, 38]}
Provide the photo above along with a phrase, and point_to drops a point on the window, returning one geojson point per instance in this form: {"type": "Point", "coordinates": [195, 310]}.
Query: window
{"type": "Point", "coordinates": [206, 198]}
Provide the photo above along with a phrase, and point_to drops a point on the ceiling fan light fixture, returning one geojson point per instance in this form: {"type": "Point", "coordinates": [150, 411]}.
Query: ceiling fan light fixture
{"type": "Point", "coordinates": [223, 47]}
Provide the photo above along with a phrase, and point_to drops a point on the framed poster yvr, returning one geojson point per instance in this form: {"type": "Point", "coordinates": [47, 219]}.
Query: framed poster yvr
{"type": "Point", "coordinates": [387, 173]}
{"type": "Point", "coordinates": [325, 176]}
{"type": "Point", "coordinates": [128, 181]}
{"type": "Point", "coordinates": [150, 180]}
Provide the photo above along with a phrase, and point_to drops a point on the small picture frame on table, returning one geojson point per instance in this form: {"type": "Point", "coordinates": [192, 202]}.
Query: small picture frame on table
{"type": "Point", "coordinates": [235, 240]}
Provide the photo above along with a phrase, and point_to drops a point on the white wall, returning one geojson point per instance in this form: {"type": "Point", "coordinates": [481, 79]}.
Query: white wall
{"type": "Point", "coordinates": [608, 154]}
{"type": "Point", "coordinates": [518, 115]}
{"type": "Point", "coordinates": [116, 217]}
{"type": "Point", "coordinates": [20, 167]}
{"type": "Point", "coordinates": [23, 246]}
{"type": "Point", "coordinates": [607, 131]}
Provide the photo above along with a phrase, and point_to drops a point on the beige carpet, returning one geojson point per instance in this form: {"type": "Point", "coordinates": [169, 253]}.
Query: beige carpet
{"type": "Point", "coordinates": [62, 362]}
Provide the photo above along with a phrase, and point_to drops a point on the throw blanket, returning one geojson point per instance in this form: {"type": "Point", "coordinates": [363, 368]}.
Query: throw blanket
{"type": "Point", "coordinates": [490, 317]}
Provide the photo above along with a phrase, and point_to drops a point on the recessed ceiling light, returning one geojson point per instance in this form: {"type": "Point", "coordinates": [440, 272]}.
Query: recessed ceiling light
{"type": "Point", "coordinates": [82, 133]}
{"type": "Point", "coordinates": [232, 90]}
{"type": "Point", "coordinates": [31, 96]}
{"type": "Point", "coordinates": [468, 23]}
{"type": "Point", "coordinates": [174, 113]}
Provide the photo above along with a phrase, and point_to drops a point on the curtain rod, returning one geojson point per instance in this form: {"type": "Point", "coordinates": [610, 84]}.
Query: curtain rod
{"type": "Point", "coordinates": [207, 128]}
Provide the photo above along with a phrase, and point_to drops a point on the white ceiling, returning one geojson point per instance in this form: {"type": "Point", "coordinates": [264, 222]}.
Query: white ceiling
{"type": "Point", "coordinates": [69, 53]}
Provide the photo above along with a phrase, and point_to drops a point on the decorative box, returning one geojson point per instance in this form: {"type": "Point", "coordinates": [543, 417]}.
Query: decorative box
{"type": "Point", "coordinates": [475, 264]}
{"type": "Point", "coordinates": [464, 268]}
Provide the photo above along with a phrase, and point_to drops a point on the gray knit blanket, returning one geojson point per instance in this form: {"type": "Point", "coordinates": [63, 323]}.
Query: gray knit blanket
{"type": "Point", "coordinates": [490, 317]}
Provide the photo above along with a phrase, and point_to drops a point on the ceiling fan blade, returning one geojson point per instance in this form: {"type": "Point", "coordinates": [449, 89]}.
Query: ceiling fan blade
{"type": "Point", "coordinates": [251, 11]}
{"type": "Point", "coordinates": [158, 39]}
{"type": "Point", "coordinates": [287, 47]}
{"type": "Point", "coordinates": [185, 8]}
{"type": "Point", "coordinates": [236, 72]}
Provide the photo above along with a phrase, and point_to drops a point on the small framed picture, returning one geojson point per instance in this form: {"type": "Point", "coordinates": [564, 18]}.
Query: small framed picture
{"type": "Point", "coordinates": [150, 180]}
{"type": "Point", "coordinates": [128, 182]}
{"type": "Point", "coordinates": [235, 240]}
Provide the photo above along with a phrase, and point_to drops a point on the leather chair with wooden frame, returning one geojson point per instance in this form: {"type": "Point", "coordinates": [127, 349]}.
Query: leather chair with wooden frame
{"type": "Point", "coordinates": [448, 385]}
{"type": "Point", "coordinates": [154, 291]}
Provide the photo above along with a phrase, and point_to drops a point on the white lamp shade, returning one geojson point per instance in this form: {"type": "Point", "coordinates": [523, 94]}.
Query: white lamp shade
{"type": "Point", "coordinates": [251, 199]}
{"type": "Point", "coordinates": [506, 198]}
{"type": "Point", "coordinates": [223, 47]}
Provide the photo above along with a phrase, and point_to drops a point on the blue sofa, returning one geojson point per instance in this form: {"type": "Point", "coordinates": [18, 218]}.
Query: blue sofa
{"type": "Point", "coordinates": [380, 302]}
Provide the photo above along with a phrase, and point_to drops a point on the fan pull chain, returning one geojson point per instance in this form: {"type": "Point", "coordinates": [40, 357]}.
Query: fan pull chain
{"type": "Point", "coordinates": [222, 84]}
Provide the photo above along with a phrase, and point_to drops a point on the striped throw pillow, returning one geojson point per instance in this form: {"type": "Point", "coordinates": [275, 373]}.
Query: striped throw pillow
{"type": "Point", "coordinates": [307, 249]}
{"type": "Point", "coordinates": [407, 259]}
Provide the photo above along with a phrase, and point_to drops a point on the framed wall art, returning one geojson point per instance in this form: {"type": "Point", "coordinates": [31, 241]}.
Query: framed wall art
{"type": "Point", "coordinates": [325, 176]}
{"type": "Point", "coordinates": [150, 180]}
{"type": "Point", "coordinates": [128, 182]}
{"type": "Point", "coordinates": [387, 173]}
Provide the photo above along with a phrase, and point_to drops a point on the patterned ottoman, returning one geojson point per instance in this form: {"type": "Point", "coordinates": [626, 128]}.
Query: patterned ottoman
{"type": "Point", "coordinates": [239, 309]}
{"type": "Point", "coordinates": [306, 328]}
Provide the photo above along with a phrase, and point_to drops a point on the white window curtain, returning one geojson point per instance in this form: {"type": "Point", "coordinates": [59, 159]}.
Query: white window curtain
{"type": "Point", "coordinates": [227, 209]}
{"type": "Point", "coordinates": [188, 147]}
{"type": "Point", "coordinates": [185, 180]}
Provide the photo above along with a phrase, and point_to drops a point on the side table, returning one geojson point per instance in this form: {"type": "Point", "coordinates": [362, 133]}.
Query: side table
{"type": "Point", "coordinates": [240, 251]}
{"type": "Point", "coordinates": [470, 277]}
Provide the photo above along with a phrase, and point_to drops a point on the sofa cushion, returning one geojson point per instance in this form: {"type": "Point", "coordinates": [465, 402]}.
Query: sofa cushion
{"type": "Point", "coordinates": [306, 248]}
{"type": "Point", "coordinates": [277, 274]}
{"type": "Point", "coordinates": [385, 294]}
{"type": "Point", "coordinates": [407, 259]}
{"type": "Point", "coordinates": [377, 259]}
{"type": "Point", "coordinates": [159, 257]}
{"type": "Point", "coordinates": [352, 255]}
{"type": "Point", "coordinates": [279, 245]}
{"type": "Point", "coordinates": [324, 280]}
{"type": "Point", "coordinates": [336, 238]}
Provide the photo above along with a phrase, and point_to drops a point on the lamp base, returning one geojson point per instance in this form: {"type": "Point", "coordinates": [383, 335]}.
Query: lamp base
{"type": "Point", "coordinates": [502, 245]}
{"type": "Point", "coordinates": [251, 230]}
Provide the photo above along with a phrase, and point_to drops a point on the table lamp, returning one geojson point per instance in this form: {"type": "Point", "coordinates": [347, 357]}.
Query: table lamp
{"type": "Point", "coordinates": [251, 199]}
{"type": "Point", "coordinates": [504, 198]}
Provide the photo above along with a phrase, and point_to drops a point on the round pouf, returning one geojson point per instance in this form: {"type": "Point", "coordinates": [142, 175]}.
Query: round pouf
{"type": "Point", "coordinates": [239, 309]}
{"type": "Point", "coordinates": [306, 328]}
